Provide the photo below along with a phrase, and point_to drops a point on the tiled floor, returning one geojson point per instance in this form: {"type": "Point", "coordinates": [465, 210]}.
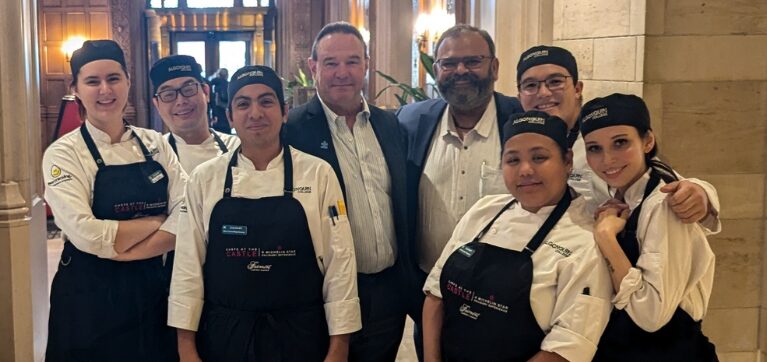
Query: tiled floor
{"type": "Point", "coordinates": [406, 350]}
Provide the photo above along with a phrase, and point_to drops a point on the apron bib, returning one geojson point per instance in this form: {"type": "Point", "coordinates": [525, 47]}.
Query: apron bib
{"type": "Point", "coordinates": [105, 310]}
{"type": "Point", "coordinates": [263, 288]}
{"type": "Point", "coordinates": [486, 296]}
{"type": "Point", "coordinates": [681, 339]}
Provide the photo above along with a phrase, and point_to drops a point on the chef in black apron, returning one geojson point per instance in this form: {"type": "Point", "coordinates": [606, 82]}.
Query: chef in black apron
{"type": "Point", "coordinates": [521, 278]}
{"type": "Point", "coordinates": [662, 269]}
{"type": "Point", "coordinates": [265, 267]}
{"type": "Point", "coordinates": [115, 192]}
{"type": "Point", "coordinates": [181, 98]}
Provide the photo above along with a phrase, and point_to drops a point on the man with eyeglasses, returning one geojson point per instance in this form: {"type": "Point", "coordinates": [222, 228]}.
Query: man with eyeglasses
{"type": "Point", "coordinates": [454, 153]}
{"type": "Point", "coordinates": [181, 98]}
{"type": "Point", "coordinates": [547, 80]}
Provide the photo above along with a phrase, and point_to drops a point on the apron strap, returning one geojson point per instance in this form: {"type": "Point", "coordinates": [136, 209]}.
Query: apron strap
{"type": "Point", "coordinates": [287, 160]}
{"type": "Point", "coordinates": [627, 239]}
{"type": "Point", "coordinates": [487, 227]}
{"type": "Point", "coordinates": [552, 220]}
{"type": "Point", "coordinates": [95, 151]}
{"type": "Point", "coordinates": [219, 142]}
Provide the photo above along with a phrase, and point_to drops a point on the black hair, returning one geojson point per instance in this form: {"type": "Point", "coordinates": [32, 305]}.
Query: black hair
{"type": "Point", "coordinates": [664, 170]}
{"type": "Point", "coordinates": [460, 29]}
{"type": "Point", "coordinates": [334, 28]}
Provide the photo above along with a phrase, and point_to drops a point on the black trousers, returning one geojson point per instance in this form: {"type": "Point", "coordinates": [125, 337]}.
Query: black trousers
{"type": "Point", "coordinates": [383, 317]}
{"type": "Point", "coordinates": [416, 298]}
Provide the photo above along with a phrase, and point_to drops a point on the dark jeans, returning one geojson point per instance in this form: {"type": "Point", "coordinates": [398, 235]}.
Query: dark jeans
{"type": "Point", "coordinates": [383, 317]}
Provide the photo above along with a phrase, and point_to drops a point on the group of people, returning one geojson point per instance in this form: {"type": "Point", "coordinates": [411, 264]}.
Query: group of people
{"type": "Point", "coordinates": [509, 228]}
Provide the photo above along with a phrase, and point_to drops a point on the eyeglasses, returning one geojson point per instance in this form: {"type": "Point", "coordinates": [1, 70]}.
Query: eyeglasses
{"type": "Point", "coordinates": [472, 62]}
{"type": "Point", "coordinates": [553, 83]}
{"type": "Point", "coordinates": [170, 95]}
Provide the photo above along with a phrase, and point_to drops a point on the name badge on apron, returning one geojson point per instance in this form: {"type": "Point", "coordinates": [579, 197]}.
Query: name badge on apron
{"type": "Point", "coordinates": [156, 176]}
{"type": "Point", "coordinates": [241, 230]}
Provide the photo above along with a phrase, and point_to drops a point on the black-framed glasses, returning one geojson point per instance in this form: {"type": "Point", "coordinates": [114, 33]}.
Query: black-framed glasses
{"type": "Point", "coordinates": [186, 90]}
{"type": "Point", "coordinates": [553, 83]}
{"type": "Point", "coordinates": [472, 62]}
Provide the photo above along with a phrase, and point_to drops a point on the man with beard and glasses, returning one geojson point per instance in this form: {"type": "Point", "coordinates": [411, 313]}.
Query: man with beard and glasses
{"type": "Point", "coordinates": [454, 146]}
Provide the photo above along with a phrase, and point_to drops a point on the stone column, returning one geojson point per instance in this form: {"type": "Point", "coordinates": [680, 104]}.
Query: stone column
{"type": "Point", "coordinates": [23, 275]}
{"type": "Point", "coordinates": [393, 26]}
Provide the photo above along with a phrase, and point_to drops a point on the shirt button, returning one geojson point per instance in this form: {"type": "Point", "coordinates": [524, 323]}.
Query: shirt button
{"type": "Point", "coordinates": [465, 147]}
{"type": "Point", "coordinates": [463, 172]}
{"type": "Point", "coordinates": [493, 230]}
{"type": "Point", "coordinates": [460, 197]}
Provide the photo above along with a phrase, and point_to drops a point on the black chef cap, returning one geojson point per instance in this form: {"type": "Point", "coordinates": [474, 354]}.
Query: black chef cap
{"type": "Point", "coordinates": [544, 54]}
{"type": "Point", "coordinates": [93, 50]}
{"type": "Point", "coordinates": [256, 74]}
{"type": "Point", "coordinates": [613, 110]}
{"type": "Point", "coordinates": [174, 66]}
{"type": "Point", "coordinates": [537, 122]}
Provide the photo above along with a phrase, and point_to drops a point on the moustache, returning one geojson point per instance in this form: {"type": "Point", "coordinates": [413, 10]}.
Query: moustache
{"type": "Point", "coordinates": [449, 83]}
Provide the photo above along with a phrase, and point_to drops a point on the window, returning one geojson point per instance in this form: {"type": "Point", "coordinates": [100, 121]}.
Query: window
{"type": "Point", "coordinates": [159, 4]}
{"type": "Point", "coordinates": [255, 3]}
{"type": "Point", "coordinates": [210, 3]}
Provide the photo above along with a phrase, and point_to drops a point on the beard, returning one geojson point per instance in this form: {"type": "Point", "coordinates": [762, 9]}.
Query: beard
{"type": "Point", "coordinates": [468, 96]}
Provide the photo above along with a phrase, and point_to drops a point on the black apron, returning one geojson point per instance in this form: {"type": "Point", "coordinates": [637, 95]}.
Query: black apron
{"type": "Point", "coordinates": [681, 339]}
{"type": "Point", "coordinates": [171, 255]}
{"type": "Point", "coordinates": [263, 288]}
{"type": "Point", "coordinates": [486, 296]}
{"type": "Point", "coordinates": [105, 310]}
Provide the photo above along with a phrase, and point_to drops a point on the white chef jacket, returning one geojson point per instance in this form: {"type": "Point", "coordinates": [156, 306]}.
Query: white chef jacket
{"type": "Point", "coordinates": [675, 265]}
{"type": "Point", "coordinates": [595, 190]}
{"type": "Point", "coordinates": [69, 172]}
{"type": "Point", "coordinates": [566, 263]}
{"type": "Point", "coordinates": [456, 174]}
{"type": "Point", "coordinates": [315, 186]}
{"type": "Point", "coordinates": [192, 156]}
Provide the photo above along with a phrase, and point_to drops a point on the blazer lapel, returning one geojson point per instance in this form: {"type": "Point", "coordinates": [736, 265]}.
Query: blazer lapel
{"type": "Point", "coordinates": [315, 138]}
{"type": "Point", "coordinates": [427, 125]}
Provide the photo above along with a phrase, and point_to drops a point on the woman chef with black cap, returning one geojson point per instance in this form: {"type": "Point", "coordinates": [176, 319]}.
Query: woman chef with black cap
{"type": "Point", "coordinates": [115, 192]}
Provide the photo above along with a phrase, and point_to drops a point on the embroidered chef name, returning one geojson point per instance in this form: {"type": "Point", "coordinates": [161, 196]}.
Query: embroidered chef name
{"type": "Point", "coordinates": [576, 177]}
{"type": "Point", "coordinates": [558, 248]}
{"type": "Point", "coordinates": [258, 253]}
{"type": "Point", "coordinates": [135, 206]}
{"type": "Point", "coordinates": [302, 189]}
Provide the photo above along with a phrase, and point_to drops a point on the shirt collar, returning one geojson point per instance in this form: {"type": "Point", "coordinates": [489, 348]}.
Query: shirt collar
{"type": "Point", "coordinates": [482, 128]}
{"type": "Point", "coordinates": [635, 193]}
{"type": "Point", "coordinates": [334, 118]}
{"type": "Point", "coordinates": [180, 140]}
{"type": "Point", "coordinates": [245, 162]}
{"type": "Point", "coordinates": [102, 137]}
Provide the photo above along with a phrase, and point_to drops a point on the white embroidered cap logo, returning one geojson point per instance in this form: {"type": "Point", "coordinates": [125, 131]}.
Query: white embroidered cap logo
{"type": "Point", "coordinates": [599, 113]}
{"type": "Point", "coordinates": [540, 53]}
{"type": "Point", "coordinates": [180, 68]}
{"type": "Point", "coordinates": [254, 73]}
{"type": "Point", "coordinates": [532, 120]}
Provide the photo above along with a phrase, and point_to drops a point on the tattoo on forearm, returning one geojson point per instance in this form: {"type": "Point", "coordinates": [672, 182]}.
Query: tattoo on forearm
{"type": "Point", "coordinates": [609, 266]}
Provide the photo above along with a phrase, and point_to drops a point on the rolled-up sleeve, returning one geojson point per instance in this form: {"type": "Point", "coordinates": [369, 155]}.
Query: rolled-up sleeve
{"type": "Point", "coordinates": [339, 287]}
{"type": "Point", "coordinates": [68, 192]}
{"type": "Point", "coordinates": [186, 289]}
{"type": "Point", "coordinates": [582, 307]}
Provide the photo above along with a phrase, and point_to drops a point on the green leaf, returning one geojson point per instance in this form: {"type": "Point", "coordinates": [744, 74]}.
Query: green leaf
{"type": "Point", "coordinates": [428, 62]}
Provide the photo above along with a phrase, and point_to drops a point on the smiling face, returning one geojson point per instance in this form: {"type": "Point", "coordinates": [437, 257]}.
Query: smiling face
{"type": "Point", "coordinates": [184, 114]}
{"type": "Point", "coordinates": [256, 115]}
{"type": "Point", "coordinates": [617, 154]}
{"type": "Point", "coordinates": [339, 70]}
{"type": "Point", "coordinates": [564, 103]}
{"type": "Point", "coordinates": [466, 87]}
{"type": "Point", "coordinates": [102, 88]}
{"type": "Point", "coordinates": [535, 171]}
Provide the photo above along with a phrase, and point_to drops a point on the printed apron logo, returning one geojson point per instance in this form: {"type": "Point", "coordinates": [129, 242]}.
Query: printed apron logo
{"type": "Point", "coordinates": [255, 266]}
{"type": "Point", "coordinates": [467, 312]}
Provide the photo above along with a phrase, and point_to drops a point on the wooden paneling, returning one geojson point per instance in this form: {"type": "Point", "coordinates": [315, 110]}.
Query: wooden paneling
{"type": "Point", "coordinates": [59, 21]}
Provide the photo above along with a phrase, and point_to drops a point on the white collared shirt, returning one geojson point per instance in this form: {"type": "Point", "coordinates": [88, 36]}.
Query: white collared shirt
{"type": "Point", "coordinates": [675, 266]}
{"type": "Point", "coordinates": [368, 189]}
{"type": "Point", "coordinates": [315, 187]}
{"type": "Point", "coordinates": [456, 174]}
{"type": "Point", "coordinates": [192, 156]}
{"type": "Point", "coordinates": [566, 263]}
{"type": "Point", "coordinates": [69, 171]}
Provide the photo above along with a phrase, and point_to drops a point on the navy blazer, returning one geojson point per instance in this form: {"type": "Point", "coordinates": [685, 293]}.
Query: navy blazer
{"type": "Point", "coordinates": [307, 130]}
{"type": "Point", "coordinates": [420, 121]}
